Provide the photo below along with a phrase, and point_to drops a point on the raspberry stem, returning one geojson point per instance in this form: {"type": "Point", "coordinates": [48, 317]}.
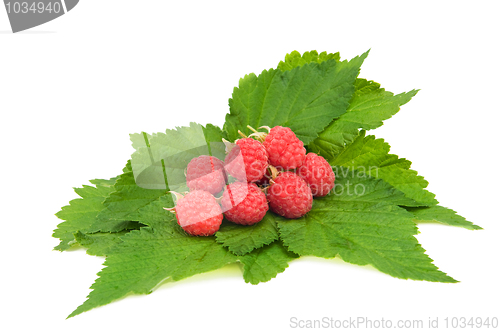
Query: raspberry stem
{"type": "Point", "coordinates": [171, 210]}
{"type": "Point", "coordinates": [260, 136]}
{"type": "Point", "coordinates": [229, 145]}
{"type": "Point", "coordinates": [266, 128]}
{"type": "Point", "coordinates": [274, 173]}
{"type": "Point", "coordinates": [176, 195]}
{"type": "Point", "coordinates": [252, 129]}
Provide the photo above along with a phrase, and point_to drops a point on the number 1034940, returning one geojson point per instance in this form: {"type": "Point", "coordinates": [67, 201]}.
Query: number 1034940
{"type": "Point", "coordinates": [470, 323]}
{"type": "Point", "coordinates": [33, 7]}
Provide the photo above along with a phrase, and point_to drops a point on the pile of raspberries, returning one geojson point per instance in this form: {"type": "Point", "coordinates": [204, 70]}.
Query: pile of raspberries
{"type": "Point", "coordinates": [270, 171]}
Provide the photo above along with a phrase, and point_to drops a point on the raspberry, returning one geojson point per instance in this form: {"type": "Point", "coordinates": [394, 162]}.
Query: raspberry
{"type": "Point", "coordinates": [318, 174]}
{"type": "Point", "coordinates": [284, 148]}
{"type": "Point", "coordinates": [205, 173]}
{"type": "Point", "coordinates": [198, 213]}
{"type": "Point", "coordinates": [289, 196]}
{"type": "Point", "coordinates": [244, 203]}
{"type": "Point", "coordinates": [247, 161]}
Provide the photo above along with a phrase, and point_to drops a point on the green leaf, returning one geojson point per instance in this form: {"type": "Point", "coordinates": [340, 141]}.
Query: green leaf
{"type": "Point", "coordinates": [442, 215]}
{"type": "Point", "coordinates": [304, 98]}
{"type": "Point", "coordinates": [213, 137]}
{"type": "Point", "coordinates": [294, 59]}
{"type": "Point", "coordinates": [147, 257]}
{"type": "Point", "coordinates": [213, 133]}
{"type": "Point", "coordinates": [241, 239]}
{"type": "Point", "coordinates": [160, 159]}
{"type": "Point", "coordinates": [265, 263]}
{"type": "Point", "coordinates": [121, 206]}
{"type": "Point", "coordinates": [154, 214]}
{"type": "Point", "coordinates": [362, 226]}
{"type": "Point", "coordinates": [103, 182]}
{"type": "Point", "coordinates": [370, 155]}
{"type": "Point", "coordinates": [159, 162]}
{"type": "Point", "coordinates": [81, 213]}
{"type": "Point", "coordinates": [369, 106]}
{"type": "Point", "coordinates": [98, 244]}
{"type": "Point", "coordinates": [351, 185]}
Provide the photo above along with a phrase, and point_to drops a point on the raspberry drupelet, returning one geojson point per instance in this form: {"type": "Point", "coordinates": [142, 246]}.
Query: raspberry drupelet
{"type": "Point", "coordinates": [205, 173]}
{"type": "Point", "coordinates": [198, 213]}
{"type": "Point", "coordinates": [244, 203]}
{"type": "Point", "coordinates": [284, 148]}
{"type": "Point", "coordinates": [318, 174]}
{"type": "Point", "coordinates": [289, 195]}
{"type": "Point", "coordinates": [247, 160]}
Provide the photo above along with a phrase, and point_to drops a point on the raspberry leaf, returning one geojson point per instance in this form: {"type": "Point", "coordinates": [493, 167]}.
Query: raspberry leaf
{"type": "Point", "coordinates": [213, 133]}
{"type": "Point", "coordinates": [146, 257]}
{"type": "Point", "coordinates": [213, 137]}
{"type": "Point", "coordinates": [442, 215]}
{"type": "Point", "coordinates": [371, 156]}
{"type": "Point", "coordinates": [160, 159]}
{"type": "Point", "coordinates": [295, 59]}
{"type": "Point", "coordinates": [81, 213]}
{"type": "Point", "coordinates": [265, 263]}
{"type": "Point", "coordinates": [352, 185]}
{"type": "Point", "coordinates": [241, 239]}
{"type": "Point", "coordinates": [154, 214]}
{"type": "Point", "coordinates": [369, 106]}
{"type": "Point", "coordinates": [122, 204]}
{"type": "Point", "coordinates": [140, 202]}
{"type": "Point", "coordinates": [304, 98]}
{"type": "Point", "coordinates": [362, 225]}
{"type": "Point", "coordinates": [103, 182]}
{"type": "Point", "coordinates": [98, 244]}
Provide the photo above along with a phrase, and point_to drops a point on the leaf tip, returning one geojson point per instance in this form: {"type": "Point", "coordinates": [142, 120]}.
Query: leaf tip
{"type": "Point", "coordinates": [451, 280]}
{"type": "Point", "coordinates": [364, 55]}
{"type": "Point", "coordinates": [75, 312]}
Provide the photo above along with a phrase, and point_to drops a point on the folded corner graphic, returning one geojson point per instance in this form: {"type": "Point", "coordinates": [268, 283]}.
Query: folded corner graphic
{"type": "Point", "coordinates": [26, 14]}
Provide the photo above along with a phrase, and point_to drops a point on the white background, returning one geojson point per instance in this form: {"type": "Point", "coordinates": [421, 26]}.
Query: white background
{"type": "Point", "coordinates": [73, 89]}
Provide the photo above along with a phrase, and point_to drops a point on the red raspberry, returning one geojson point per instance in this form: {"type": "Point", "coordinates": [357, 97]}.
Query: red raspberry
{"type": "Point", "coordinates": [205, 173]}
{"type": "Point", "coordinates": [318, 174]}
{"type": "Point", "coordinates": [247, 161]}
{"type": "Point", "coordinates": [284, 148]}
{"type": "Point", "coordinates": [244, 203]}
{"type": "Point", "coordinates": [198, 213]}
{"type": "Point", "coordinates": [289, 196]}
